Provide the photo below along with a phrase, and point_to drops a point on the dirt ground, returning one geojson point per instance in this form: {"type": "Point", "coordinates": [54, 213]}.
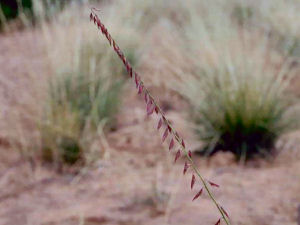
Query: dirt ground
{"type": "Point", "coordinates": [137, 183]}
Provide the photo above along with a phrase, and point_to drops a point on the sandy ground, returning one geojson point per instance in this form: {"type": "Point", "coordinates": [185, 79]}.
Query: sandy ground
{"type": "Point", "coordinates": [138, 184]}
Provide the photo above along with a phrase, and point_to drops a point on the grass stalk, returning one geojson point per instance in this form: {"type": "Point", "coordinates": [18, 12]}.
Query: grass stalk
{"type": "Point", "coordinates": [152, 106]}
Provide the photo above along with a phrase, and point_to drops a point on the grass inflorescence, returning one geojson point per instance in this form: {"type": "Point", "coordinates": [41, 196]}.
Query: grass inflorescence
{"type": "Point", "coordinates": [169, 131]}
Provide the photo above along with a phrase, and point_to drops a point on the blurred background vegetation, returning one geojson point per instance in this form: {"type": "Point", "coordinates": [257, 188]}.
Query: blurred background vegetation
{"type": "Point", "coordinates": [231, 61]}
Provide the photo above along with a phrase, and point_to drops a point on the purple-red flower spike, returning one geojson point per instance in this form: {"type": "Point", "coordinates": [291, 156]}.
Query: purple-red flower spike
{"type": "Point", "coordinates": [193, 181]}
{"type": "Point", "coordinates": [190, 154]}
{"type": "Point", "coordinates": [224, 212]}
{"type": "Point", "coordinates": [213, 184]}
{"type": "Point", "coordinates": [185, 168]}
{"type": "Point", "coordinates": [218, 222]}
{"type": "Point", "coordinates": [183, 144]}
{"type": "Point", "coordinates": [178, 153]}
{"type": "Point", "coordinates": [165, 135]}
{"type": "Point", "coordinates": [198, 194]}
{"type": "Point", "coordinates": [159, 124]}
{"type": "Point", "coordinates": [151, 107]}
{"type": "Point", "coordinates": [171, 144]}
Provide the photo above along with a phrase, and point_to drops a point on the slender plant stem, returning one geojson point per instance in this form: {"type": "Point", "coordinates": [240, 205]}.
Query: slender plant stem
{"type": "Point", "coordinates": [140, 83]}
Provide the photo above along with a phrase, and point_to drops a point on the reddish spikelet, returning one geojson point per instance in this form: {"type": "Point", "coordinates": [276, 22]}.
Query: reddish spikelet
{"type": "Point", "coordinates": [171, 144]}
{"type": "Point", "coordinates": [98, 24]}
{"type": "Point", "coordinates": [128, 66]}
{"type": "Point", "coordinates": [91, 16]}
{"type": "Point", "coordinates": [150, 108]}
{"type": "Point", "coordinates": [149, 104]}
{"type": "Point", "coordinates": [116, 48]}
{"type": "Point", "coordinates": [178, 153]}
{"type": "Point", "coordinates": [120, 53]}
{"type": "Point", "coordinates": [198, 194]}
{"type": "Point", "coordinates": [146, 97]}
{"type": "Point", "coordinates": [218, 222]}
{"type": "Point", "coordinates": [108, 37]}
{"type": "Point", "coordinates": [140, 89]}
{"type": "Point", "coordinates": [169, 128]}
{"type": "Point", "coordinates": [190, 154]}
{"type": "Point", "coordinates": [185, 168]}
{"type": "Point", "coordinates": [103, 29]}
{"type": "Point", "coordinates": [224, 212]}
{"type": "Point", "coordinates": [156, 110]}
{"type": "Point", "coordinates": [183, 144]}
{"type": "Point", "coordinates": [165, 135]}
{"type": "Point", "coordinates": [193, 181]}
{"type": "Point", "coordinates": [136, 79]}
{"type": "Point", "coordinates": [159, 124]}
{"type": "Point", "coordinates": [213, 184]}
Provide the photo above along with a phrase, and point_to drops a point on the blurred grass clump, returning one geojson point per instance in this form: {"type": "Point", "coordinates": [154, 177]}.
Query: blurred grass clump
{"type": "Point", "coordinates": [28, 13]}
{"type": "Point", "coordinates": [11, 8]}
{"type": "Point", "coordinates": [241, 112]}
{"type": "Point", "coordinates": [80, 102]}
{"type": "Point", "coordinates": [78, 105]}
{"type": "Point", "coordinates": [84, 92]}
{"type": "Point", "coordinates": [238, 94]}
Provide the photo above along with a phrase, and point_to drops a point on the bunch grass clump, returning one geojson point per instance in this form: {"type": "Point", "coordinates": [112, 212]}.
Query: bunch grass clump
{"type": "Point", "coordinates": [77, 106]}
{"type": "Point", "coordinates": [241, 112]}
{"type": "Point", "coordinates": [85, 88]}
{"type": "Point", "coordinates": [238, 87]}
